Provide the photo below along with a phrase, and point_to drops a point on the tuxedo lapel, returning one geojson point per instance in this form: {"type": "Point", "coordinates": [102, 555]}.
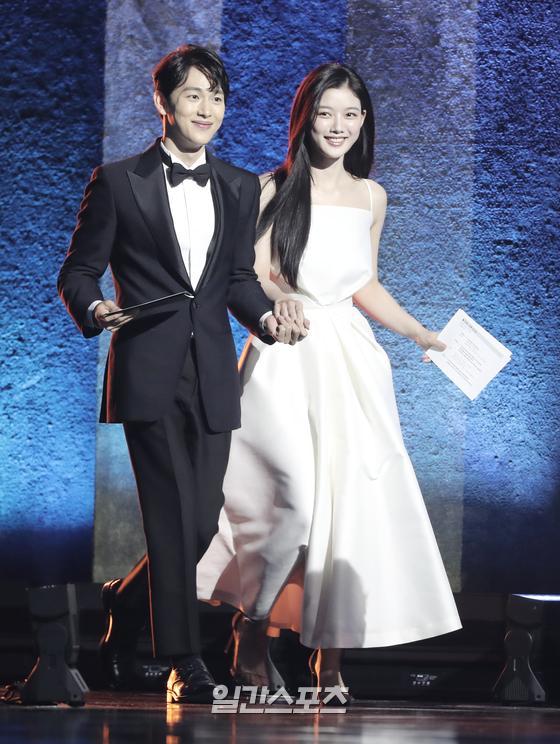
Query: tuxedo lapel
{"type": "Point", "coordinates": [148, 185]}
{"type": "Point", "coordinates": [217, 237]}
{"type": "Point", "coordinates": [225, 193]}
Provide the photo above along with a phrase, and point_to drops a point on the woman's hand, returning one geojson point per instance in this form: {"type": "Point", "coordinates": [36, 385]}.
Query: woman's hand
{"type": "Point", "coordinates": [289, 315]}
{"type": "Point", "coordinates": [429, 340]}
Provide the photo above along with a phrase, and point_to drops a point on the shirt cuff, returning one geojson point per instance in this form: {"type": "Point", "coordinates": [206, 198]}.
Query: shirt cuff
{"type": "Point", "coordinates": [89, 315]}
{"type": "Point", "coordinates": [262, 320]}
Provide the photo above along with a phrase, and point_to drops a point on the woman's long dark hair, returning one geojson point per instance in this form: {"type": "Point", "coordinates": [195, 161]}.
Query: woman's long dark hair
{"type": "Point", "coordinates": [289, 210]}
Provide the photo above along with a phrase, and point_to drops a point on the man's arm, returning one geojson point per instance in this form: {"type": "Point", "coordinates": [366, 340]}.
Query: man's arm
{"type": "Point", "coordinates": [89, 253]}
{"type": "Point", "coordinates": [246, 298]}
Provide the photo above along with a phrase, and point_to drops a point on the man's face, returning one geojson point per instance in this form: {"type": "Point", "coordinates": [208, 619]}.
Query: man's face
{"type": "Point", "coordinates": [194, 111]}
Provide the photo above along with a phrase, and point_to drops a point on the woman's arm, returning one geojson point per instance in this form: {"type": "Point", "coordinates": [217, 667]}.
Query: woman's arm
{"type": "Point", "coordinates": [377, 302]}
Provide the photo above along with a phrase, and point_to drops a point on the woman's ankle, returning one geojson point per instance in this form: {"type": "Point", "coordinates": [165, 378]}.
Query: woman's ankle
{"type": "Point", "coordinates": [327, 667]}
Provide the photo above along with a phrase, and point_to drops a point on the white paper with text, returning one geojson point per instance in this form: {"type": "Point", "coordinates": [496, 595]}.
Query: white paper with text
{"type": "Point", "coordinates": [473, 356]}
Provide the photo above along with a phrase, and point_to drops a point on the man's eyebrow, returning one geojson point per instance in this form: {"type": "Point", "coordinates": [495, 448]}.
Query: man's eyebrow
{"type": "Point", "coordinates": [215, 89]}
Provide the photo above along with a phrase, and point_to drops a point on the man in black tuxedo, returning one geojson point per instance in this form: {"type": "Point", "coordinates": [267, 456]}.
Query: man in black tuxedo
{"type": "Point", "coordinates": [174, 219]}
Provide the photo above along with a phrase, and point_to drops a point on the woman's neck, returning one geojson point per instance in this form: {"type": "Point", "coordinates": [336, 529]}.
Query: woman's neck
{"type": "Point", "coordinates": [329, 175]}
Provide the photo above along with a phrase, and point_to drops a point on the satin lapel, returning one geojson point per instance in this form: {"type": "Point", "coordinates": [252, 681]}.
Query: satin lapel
{"type": "Point", "coordinates": [216, 242]}
{"type": "Point", "coordinates": [148, 185]}
{"type": "Point", "coordinates": [225, 194]}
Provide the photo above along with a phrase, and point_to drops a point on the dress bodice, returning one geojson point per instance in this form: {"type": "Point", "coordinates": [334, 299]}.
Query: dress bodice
{"type": "Point", "coordinates": [336, 262]}
{"type": "Point", "coordinates": [337, 258]}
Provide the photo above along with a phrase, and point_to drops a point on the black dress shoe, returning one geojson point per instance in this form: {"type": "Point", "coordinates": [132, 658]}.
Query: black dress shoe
{"type": "Point", "coordinates": [190, 682]}
{"type": "Point", "coordinates": [117, 648]}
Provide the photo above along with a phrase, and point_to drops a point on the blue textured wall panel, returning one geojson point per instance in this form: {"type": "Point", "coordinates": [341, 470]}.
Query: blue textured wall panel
{"type": "Point", "coordinates": [268, 48]}
{"type": "Point", "coordinates": [512, 507]}
{"type": "Point", "coordinates": [52, 76]}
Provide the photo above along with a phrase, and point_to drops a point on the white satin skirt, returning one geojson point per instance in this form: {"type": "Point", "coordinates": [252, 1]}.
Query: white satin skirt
{"type": "Point", "coordinates": [324, 529]}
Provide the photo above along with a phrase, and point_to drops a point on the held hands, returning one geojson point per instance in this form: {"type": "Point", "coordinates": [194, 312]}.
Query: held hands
{"type": "Point", "coordinates": [428, 340]}
{"type": "Point", "coordinates": [287, 324]}
{"type": "Point", "coordinates": [113, 322]}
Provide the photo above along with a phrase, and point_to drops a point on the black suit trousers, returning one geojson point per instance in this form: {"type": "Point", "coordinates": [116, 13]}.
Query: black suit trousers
{"type": "Point", "coordinates": [179, 466]}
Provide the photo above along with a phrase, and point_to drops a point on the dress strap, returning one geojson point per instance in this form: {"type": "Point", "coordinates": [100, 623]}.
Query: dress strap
{"type": "Point", "coordinates": [368, 184]}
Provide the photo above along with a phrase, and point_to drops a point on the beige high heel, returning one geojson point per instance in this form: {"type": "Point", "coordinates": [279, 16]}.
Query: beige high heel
{"type": "Point", "coordinates": [337, 701]}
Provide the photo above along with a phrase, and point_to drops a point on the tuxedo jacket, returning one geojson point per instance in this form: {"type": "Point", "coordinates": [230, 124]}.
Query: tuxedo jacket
{"type": "Point", "coordinates": [125, 222]}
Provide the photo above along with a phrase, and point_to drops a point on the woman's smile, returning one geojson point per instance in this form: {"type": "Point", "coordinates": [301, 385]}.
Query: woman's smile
{"type": "Point", "coordinates": [335, 140]}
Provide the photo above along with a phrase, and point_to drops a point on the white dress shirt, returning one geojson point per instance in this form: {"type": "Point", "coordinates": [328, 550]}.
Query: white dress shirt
{"type": "Point", "coordinates": [192, 211]}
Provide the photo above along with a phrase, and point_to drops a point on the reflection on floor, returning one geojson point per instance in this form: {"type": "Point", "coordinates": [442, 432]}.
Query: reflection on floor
{"type": "Point", "coordinates": [112, 718]}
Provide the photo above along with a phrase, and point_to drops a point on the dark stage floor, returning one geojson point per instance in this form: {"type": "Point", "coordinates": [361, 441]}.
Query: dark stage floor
{"type": "Point", "coordinates": [110, 718]}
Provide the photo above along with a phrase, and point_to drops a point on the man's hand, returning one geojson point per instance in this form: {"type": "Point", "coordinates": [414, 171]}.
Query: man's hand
{"type": "Point", "coordinates": [292, 324]}
{"type": "Point", "coordinates": [276, 330]}
{"type": "Point", "coordinates": [114, 322]}
{"type": "Point", "coordinates": [282, 331]}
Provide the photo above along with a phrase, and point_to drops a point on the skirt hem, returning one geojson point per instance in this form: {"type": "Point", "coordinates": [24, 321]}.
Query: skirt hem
{"type": "Point", "coordinates": [370, 640]}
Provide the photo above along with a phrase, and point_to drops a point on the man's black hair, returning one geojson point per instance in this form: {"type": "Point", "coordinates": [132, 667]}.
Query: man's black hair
{"type": "Point", "coordinates": [171, 71]}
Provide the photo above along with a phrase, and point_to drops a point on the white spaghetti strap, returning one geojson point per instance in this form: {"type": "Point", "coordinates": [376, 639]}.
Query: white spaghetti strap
{"type": "Point", "coordinates": [368, 184]}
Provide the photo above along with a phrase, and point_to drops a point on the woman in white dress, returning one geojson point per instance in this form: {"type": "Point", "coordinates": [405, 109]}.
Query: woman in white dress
{"type": "Point", "coordinates": [324, 529]}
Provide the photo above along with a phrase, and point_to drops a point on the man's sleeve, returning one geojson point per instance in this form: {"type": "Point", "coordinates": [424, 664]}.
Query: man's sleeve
{"type": "Point", "coordinates": [247, 299]}
{"type": "Point", "coordinates": [89, 252]}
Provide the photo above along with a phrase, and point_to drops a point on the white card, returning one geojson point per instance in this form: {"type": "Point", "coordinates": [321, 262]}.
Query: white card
{"type": "Point", "coordinates": [473, 356]}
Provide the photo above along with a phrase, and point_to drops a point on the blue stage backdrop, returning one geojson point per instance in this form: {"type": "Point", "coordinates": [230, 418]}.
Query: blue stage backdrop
{"type": "Point", "coordinates": [51, 138]}
{"type": "Point", "coordinates": [466, 98]}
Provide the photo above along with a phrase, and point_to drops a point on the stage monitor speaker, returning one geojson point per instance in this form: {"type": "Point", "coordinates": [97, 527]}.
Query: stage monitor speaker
{"type": "Point", "coordinates": [54, 678]}
{"type": "Point", "coordinates": [518, 681]}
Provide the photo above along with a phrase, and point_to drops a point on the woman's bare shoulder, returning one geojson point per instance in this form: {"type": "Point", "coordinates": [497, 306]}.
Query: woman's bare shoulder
{"type": "Point", "coordinates": [268, 187]}
{"type": "Point", "coordinates": [267, 181]}
{"type": "Point", "coordinates": [377, 190]}
{"type": "Point", "coordinates": [378, 203]}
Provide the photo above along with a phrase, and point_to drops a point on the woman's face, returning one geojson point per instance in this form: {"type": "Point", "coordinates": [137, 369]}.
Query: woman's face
{"type": "Point", "coordinates": [338, 123]}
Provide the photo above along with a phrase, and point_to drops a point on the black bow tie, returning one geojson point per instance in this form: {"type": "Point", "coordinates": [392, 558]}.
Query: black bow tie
{"type": "Point", "coordinates": [177, 174]}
